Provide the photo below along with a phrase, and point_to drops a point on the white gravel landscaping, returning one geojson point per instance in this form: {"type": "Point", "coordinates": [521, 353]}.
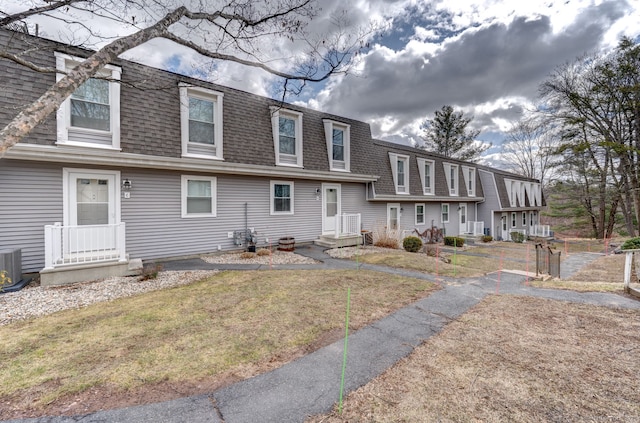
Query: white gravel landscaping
{"type": "Point", "coordinates": [33, 301]}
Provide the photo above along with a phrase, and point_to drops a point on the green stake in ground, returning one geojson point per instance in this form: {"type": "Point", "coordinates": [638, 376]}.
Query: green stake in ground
{"type": "Point", "coordinates": [344, 354]}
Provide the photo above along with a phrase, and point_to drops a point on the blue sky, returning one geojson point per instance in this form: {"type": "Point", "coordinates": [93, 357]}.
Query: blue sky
{"type": "Point", "coordinates": [484, 57]}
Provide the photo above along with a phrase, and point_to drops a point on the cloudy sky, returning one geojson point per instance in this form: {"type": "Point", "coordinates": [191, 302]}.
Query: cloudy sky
{"type": "Point", "coordinates": [484, 57]}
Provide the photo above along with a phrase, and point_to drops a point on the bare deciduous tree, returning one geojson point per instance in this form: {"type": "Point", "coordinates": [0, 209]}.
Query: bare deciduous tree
{"type": "Point", "coordinates": [528, 149]}
{"type": "Point", "coordinates": [237, 31]}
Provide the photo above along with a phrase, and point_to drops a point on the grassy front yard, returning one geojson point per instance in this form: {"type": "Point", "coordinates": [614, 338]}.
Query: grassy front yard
{"type": "Point", "coordinates": [185, 340]}
{"type": "Point", "coordinates": [512, 359]}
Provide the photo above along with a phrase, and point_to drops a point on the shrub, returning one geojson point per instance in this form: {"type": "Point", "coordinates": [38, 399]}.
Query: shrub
{"type": "Point", "coordinates": [386, 238]}
{"type": "Point", "coordinates": [517, 237]}
{"type": "Point", "coordinates": [247, 255]}
{"type": "Point", "coordinates": [149, 271]}
{"type": "Point", "coordinates": [487, 238]}
{"type": "Point", "coordinates": [4, 279]}
{"type": "Point", "coordinates": [631, 244]}
{"type": "Point", "coordinates": [412, 244]}
{"type": "Point", "coordinates": [453, 241]}
{"type": "Point", "coordinates": [263, 252]}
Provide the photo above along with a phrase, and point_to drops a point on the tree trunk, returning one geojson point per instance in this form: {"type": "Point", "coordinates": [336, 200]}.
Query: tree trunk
{"type": "Point", "coordinates": [37, 112]}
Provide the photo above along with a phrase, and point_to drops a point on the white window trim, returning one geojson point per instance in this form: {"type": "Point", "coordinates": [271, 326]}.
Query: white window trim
{"type": "Point", "coordinates": [65, 62]}
{"type": "Point", "coordinates": [184, 192]}
{"type": "Point", "coordinates": [442, 212]}
{"type": "Point", "coordinates": [424, 213]}
{"type": "Point", "coordinates": [187, 91]}
{"type": "Point", "coordinates": [469, 174]}
{"type": "Point", "coordinates": [427, 190]}
{"type": "Point", "coordinates": [510, 185]}
{"type": "Point", "coordinates": [453, 192]}
{"type": "Point", "coordinates": [514, 220]}
{"type": "Point", "coordinates": [524, 219]}
{"type": "Point", "coordinates": [271, 198]}
{"type": "Point", "coordinates": [329, 126]}
{"type": "Point", "coordinates": [275, 129]}
{"type": "Point", "coordinates": [393, 160]}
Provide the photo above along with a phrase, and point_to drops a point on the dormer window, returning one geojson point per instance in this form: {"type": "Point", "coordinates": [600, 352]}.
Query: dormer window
{"type": "Point", "coordinates": [338, 137]}
{"type": "Point", "coordinates": [426, 169]}
{"type": "Point", "coordinates": [91, 115]}
{"type": "Point", "coordinates": [287, 136]}
{"type": "Point", "coordinates": [451, 174]}
{"type": "Point", "coordinates": [469, 175]}
{"type": "Point", "coordinates": [400, 172]}
{"type": "Point", "coordinates": [201, 122]}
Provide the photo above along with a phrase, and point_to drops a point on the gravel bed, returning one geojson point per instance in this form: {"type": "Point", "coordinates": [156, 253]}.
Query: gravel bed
{"type": "Point", "coordinates": [34, 301]}
{"type": "Point", "coordinates": [277, 257]}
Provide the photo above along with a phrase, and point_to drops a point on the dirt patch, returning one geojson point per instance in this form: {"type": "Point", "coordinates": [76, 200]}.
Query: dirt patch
{"type": "Point", "coordinates": [513, 359]}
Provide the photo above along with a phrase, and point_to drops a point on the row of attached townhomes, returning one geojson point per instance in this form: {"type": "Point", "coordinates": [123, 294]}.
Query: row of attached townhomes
{"type": "Point", "coordinates": [148, 164]}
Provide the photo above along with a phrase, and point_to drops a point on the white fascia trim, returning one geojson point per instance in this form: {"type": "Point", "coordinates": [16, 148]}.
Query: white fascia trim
{"type": "Point", "coordinates": [425, 198]}
{"type": "Point", "coordinates": [85, 155]}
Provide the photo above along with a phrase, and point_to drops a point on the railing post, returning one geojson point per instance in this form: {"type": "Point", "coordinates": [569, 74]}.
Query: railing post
{"type": "Point", "coordinates": [122, 241]}
{"type": "Point", "coordinates": [48, 246]}
{"type": "Point", "coordinates": [627, 270]}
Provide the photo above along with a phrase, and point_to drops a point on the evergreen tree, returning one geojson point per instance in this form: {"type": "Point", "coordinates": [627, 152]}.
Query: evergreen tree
{"type": "Point", "coordinates": [447, 134]}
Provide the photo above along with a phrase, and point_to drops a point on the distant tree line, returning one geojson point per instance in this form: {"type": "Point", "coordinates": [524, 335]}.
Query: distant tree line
{"type": "Point", "coordinates": [586, 133]}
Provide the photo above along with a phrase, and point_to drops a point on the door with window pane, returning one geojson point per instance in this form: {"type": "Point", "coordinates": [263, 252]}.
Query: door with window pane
{"type": "Point", "coordinates": [90, 208]}
{"type": "Point", "coordinates": [330, 207]}
{"type": "Point", "coordinates": [393, 216]}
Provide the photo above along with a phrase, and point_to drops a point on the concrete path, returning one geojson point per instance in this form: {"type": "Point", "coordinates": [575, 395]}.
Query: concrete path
{"type": "Point", "coordinates": [311, 384]}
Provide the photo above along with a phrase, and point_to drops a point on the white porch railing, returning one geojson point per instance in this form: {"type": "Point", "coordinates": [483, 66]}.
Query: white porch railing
{"type": "Point", "coordinates": [347, 224]}
{"type": "Point", "coordinates": [540, 230]}
{"type": "Point", "coordinates": [475, 228]}
{"type": "Point", "coordinates": [72, 245]}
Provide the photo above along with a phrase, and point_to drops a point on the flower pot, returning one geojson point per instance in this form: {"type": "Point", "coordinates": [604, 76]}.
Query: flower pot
{"type": "Point", "coordinates": [286, 243]}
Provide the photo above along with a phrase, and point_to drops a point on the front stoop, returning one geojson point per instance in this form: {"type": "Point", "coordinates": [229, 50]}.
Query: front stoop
{"type": "Point", "coordinates": [328, 241]}
{"type": "Point", "coordinates": [66, 275]}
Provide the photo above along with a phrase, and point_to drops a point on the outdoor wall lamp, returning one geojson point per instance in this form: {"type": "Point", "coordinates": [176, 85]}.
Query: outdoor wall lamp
{"type": "Point", "coordinates": [317, 191]}
{"type": "Point", "coordinates": [126, 184]}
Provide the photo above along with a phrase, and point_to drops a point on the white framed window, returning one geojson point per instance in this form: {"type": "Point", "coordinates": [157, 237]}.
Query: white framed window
{"type": "Point", "coordinates": [90, 117]}
{"type": "Point", "coordinates": [420, 214]}
{"type": "Point", "coordinates": [426, 169]}
{"type": "Point", "coordinates": [445, 213]}
{"type": "Point", "coordinates": [201, 122]}
{"type": "Point", "coordinates": [400, 172]}
{"type": "Point", "coordinates": [469, 175]}
{"type": "Point", "coordinates": [198, 196]}
{"type": "Point", "coordinates": [281, 197]}
{"type": "Point", "coordinates": [524, 219]}
{"type": "Point", "coordinates": [513, 219]}
{"type": "Point", "coordinates": [338, 136]}
{"type": "Point", "coordinates": [451, 175]}
{"type": "Point", "coordinates": [287, 136]}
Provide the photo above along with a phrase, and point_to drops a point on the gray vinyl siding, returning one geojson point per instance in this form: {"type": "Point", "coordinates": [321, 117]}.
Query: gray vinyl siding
{"type": "Point", "coordinates": [156, 228]}
{"type": "Point", "coordinates": [30, 198]}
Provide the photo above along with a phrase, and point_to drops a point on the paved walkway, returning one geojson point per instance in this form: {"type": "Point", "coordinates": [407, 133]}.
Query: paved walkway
{"type": "Point", "coordinates": [310, 385]}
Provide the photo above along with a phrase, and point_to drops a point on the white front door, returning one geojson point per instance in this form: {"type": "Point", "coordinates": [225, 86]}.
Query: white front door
{"type": "Point", "coordinates": [331, 207]}
{"type": "Point", "coordinates": [462, 214]}
{"type": "Point", "coordinates": [91, 203]}
{"type": "Point", "coordinates": [393, 216]}
{"type": "Point", "coordinates": [504, 226]}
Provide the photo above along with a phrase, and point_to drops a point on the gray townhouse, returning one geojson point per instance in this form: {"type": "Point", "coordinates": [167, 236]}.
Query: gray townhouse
{"type": "Point", "coordinates": [148, 164]}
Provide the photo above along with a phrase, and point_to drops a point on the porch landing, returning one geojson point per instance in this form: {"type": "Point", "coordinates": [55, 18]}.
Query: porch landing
{"type": "Point", "coordinates": [328, 241]}
{"type": "Point", "coordinates": [65, 275]}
